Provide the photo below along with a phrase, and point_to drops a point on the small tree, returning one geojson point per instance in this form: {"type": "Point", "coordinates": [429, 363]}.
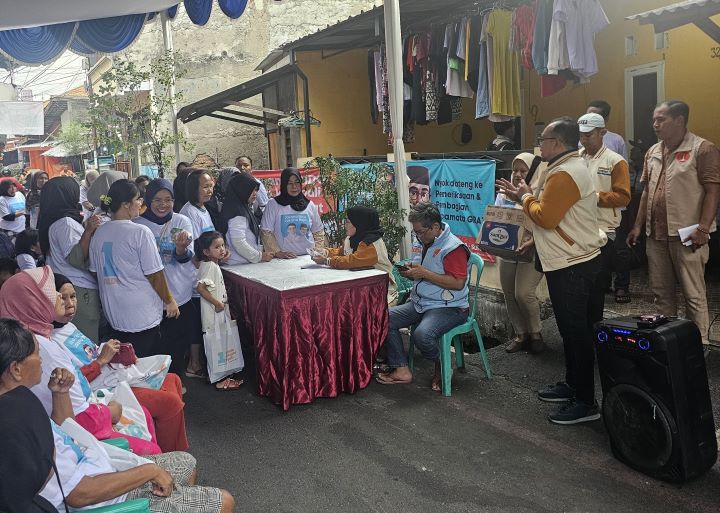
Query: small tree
{"type": "Point", "coordinates": [373, 187]}
{"type": "Point", "coordinates": [75, 137]}
{"type": "Point", "coordinates": [124, 116]}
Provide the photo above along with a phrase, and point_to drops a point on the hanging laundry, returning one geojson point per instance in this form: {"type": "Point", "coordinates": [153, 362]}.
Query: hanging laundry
{"type": "Point", "coordinates": [455, 83]}
{"type": "Point", "coordinates": [541, 35]}
{"type": "Point", "coordinates": [482, 98]}
{"type": "Point", "coordinates": [523, 33]}
{"type": "Point", "coordinates": [504, 76]}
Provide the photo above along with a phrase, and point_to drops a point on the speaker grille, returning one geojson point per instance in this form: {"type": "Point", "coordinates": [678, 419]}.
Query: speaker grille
{"type": "Point", "coordinates": [641, 428]}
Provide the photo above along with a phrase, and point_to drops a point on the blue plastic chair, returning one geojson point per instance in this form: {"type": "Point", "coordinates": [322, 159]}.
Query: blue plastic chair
{"type": "Point", "coordinates": [452, 337]}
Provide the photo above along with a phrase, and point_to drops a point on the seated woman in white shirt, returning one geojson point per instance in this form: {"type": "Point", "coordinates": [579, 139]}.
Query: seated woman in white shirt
{"type": "Point", "coordinates": [243, 231]}
{"type": "Point", "coordinates": [85, 476]}
{"type": "Point", "coordinates": [283, 216]}
{"type": "Point", "coordinates": [12, 208]}
{"type": "Point", "coordinates": [133, 288]}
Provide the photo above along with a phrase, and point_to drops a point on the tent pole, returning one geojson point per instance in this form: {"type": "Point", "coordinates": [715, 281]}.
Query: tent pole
{"type": "Point", "coordinates": [166, 24]}
{"type": "Point", "coordinates": [393, 44]}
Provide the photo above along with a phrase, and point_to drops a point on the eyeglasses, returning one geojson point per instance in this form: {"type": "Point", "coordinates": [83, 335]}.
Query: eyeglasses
{"type": "Point", "coordinates": [416, 192]}
{"type": "Point", "coordinates": [541, 139]}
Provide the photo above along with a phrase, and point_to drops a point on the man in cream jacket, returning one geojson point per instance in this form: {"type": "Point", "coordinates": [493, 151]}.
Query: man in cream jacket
{"type": "Point", "coordinates": [568, 241]}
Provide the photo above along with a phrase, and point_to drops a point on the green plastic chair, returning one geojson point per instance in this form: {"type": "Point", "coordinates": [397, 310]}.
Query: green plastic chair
{"type": "Point", "coordinates": [120, 443]}
{"type": "Point", "coordinates": [404, 285]}
{"type": "Point", "coordinates": [452, 337]}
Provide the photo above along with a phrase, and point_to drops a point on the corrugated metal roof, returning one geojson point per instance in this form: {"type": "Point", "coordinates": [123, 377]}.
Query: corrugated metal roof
{"type": "Point", "coordinates": [674, 9]}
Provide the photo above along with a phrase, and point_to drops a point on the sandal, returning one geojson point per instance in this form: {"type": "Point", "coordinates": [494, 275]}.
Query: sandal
{"type": "Point", "coordinates": [622, 296]}
{"type": "Point", "coordinates": [228, 384]}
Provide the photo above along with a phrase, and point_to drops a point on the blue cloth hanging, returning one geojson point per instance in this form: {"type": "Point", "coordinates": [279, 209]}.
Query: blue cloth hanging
{"type": "Point", "coordinates": [233, 8]}
{"type": "Point", "coordinates": [198, 10]}
{"type": "Point", "coordinates": [110, 35]}
{"type": "Point", "coordinates": [36, 45]}
{"type": "Point", "coordinates": [79, 48]}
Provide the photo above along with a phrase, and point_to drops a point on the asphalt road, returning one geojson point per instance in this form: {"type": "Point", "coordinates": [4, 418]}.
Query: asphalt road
{"type": "Point", "coordinates": [396, 449]}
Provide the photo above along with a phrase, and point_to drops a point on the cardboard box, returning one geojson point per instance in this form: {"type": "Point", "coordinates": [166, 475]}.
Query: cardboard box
{"type": "Point", "coordinates": [502, 232]}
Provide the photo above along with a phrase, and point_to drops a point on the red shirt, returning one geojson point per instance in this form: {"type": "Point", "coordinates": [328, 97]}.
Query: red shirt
{"type": "Point", "coordinates": [455, 263]}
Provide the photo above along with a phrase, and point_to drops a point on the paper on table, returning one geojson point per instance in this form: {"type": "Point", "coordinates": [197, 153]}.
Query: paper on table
{"type": "Point", "coordinates": [686, 232]}
{"type": "Point", "coordinates": [313, 266]}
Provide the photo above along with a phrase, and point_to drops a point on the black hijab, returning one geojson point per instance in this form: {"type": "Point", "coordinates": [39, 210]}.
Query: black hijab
{"type": "Point", "coordinates": [298, 203]}
{"type": "Point", "coordinates": [60, 198]}
{"type": "Point", "coordinates": [179, 188]}
{"type": "Point", "coordinates": [155, 186]}
{"type": "Point", "coordinates": [367, 225]}
{"type": "Point", "coordinates": [27, 447]}
{"type": "Point", "coordinates": [237, 202]}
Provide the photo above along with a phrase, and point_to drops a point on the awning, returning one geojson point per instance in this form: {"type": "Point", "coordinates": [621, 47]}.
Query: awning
{"type": "Point", "coordinates": [224, 105]}
{"type": "Point", "coordinates": [60, 150]}
{"type": "Point", "coordinates": [34, 32]}
{"type": "Point", "coordinates": [696, 12]}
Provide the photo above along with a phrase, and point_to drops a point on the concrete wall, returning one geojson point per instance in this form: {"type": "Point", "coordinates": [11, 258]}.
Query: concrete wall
{"type": "Point", "coordinates": [224, 53]}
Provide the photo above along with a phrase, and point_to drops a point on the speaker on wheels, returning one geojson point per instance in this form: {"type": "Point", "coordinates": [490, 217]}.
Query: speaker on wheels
{"type": "Point", "coordinates": [656, 401]}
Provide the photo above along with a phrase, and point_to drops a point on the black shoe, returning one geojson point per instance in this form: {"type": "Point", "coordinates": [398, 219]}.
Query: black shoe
{"type": "Point", "coordinates": [560, 392]}
{"type": "Point", "coordinates": [575, 412]}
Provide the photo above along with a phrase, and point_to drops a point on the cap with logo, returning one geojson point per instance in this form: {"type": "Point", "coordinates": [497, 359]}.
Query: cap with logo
{"type": "Point", "coordinates": [591, 121]}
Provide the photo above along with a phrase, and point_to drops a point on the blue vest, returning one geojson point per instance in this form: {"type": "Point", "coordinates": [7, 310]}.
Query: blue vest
{"type": "Point", "coordinates": [428, 296]}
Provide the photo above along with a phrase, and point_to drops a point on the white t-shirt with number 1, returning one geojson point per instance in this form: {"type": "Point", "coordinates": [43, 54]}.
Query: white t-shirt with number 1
{"type": "Point", "coordinates": [123, 254]}
{"type": "Point", "coordinates": [293, 230]}
{"type": "Point", "coordinates": [12, 205]}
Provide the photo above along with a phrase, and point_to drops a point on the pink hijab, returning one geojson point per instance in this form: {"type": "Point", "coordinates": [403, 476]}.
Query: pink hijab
{"type": "Point", "coordinates": [30, 298]}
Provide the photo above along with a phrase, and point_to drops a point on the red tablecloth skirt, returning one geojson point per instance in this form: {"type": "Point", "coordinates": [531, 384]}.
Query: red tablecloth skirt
{"type": "Point", "coordinates": [313, 342]}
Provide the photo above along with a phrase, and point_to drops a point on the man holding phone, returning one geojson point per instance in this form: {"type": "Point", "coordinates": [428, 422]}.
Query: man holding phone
{"type": "Point", "coordinates": [439, 298]}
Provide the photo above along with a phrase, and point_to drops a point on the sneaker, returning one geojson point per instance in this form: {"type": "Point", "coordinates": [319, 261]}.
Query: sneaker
{"type": "Point", "coordinates": [575, 412]}
{"type": "Point", "coordinates": [560, 392]}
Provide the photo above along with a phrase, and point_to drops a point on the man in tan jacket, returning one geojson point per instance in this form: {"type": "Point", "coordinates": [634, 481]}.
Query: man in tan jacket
{"type": "Point", "coordinates": [682, 177]}
{"type": "Point", "coordinates": [568, 242]}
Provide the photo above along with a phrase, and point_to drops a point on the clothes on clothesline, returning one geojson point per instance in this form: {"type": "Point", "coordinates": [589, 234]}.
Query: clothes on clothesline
{"type": "Point", "coordinates": [480, 57]}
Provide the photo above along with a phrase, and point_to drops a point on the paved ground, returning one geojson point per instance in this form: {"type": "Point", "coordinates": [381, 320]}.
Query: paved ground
{"type": "Point", "coordinates": [397, 449]}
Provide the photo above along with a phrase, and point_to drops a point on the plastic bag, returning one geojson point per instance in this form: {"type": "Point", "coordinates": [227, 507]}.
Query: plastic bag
{"type": "Point", "coordinates": [132, 421]}
{"type": "Point", "coordinates": [222, 348]}
{"type": "Point", "coordinates": [148, 372]}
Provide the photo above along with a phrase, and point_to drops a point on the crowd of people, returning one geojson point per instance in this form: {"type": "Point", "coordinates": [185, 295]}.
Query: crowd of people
{"type": "Point", "coordinates": [117, 272]}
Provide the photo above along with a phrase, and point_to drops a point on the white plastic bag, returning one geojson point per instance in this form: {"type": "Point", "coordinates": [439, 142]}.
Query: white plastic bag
{"type": "Point", "coordinates": [133, 421]}
{"type": "Point", "coordinates": [119, 459]}
{"type": "Point", "coordinates": [148, 372]}
{"type": "Point", "coordinates": [222, 348]}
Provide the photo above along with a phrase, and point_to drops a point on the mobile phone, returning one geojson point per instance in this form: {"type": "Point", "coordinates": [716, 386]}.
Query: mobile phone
{"type": "Point", "coordinates": [401, 267]}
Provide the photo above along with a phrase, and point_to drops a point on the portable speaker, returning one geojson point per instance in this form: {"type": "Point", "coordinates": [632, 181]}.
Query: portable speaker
{"type": "Point", "coordinates": [656, 401]}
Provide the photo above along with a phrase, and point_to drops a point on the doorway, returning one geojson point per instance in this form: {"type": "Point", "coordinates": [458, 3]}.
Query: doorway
{"type": "Point", "coordinates": [644, 89]}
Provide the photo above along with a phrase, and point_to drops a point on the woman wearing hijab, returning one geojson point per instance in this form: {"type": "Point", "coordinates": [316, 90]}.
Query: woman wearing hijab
{"type": "Point", "coordinates": [243, 231]}
{"type": "Point", "coordinates": [173, 237]}
{"type": "Point", "coordinates": [38, 179]}
{"type": "Point", "coordinates": [101, 185]}
{"type": "Point", "coordinates": [182, 171]}
{"type": "Point", "coordinates": [84, 476]}
{"type": "Point", "coordinates": [214, 206]}
{"type": "Point", "coordinates": [519, 280]}
{"type": "Point", "coordinates": [30, 297]}
{"type": "Point", "coordinates": [286, 214]}
{"type": "Point", "coordinates": [164, 405]}
{"type": "Point", "coordinates": [12, 209]}
{"type": "Point", "coordinates": [66, 244]}
{"type": "Point", "coordinates": [363, 247]}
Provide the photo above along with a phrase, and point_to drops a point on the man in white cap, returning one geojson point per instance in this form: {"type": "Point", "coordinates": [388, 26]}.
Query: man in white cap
{"type": "Point", "coordinates": [611, 175]}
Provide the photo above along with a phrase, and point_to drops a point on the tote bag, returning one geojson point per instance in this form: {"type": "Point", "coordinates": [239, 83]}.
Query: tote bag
{"type": "Point", "coordinates": [133, 421]}
{"type": "Point", "coordinates": [222, 347]}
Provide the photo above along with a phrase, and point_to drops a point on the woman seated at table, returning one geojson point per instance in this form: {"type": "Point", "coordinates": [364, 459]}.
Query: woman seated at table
{"type": "Point", "coordinates": [363, 247]}
{"type": "Point", "coordinates": [284, 216]}
{"type": "Point", "coordinates": [165, 405]}
{"type": "Point", "coordinates": [85, 476]}
{"type": "Point", "coordinates": [243, 231]}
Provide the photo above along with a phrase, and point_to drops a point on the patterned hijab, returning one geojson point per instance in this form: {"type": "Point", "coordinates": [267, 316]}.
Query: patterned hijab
{"type": "Point", "coordinates": [30, 298]}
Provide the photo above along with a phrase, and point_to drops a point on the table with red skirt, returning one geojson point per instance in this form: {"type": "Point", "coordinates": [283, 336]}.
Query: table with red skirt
{"type": "Point", "coordinates": [315, 330]}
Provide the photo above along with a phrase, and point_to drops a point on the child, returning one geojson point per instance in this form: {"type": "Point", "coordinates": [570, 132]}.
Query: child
{"type": "Point", "coordinates": [27, 249]}
{"type": "Point", "coordinates": [210, 250]}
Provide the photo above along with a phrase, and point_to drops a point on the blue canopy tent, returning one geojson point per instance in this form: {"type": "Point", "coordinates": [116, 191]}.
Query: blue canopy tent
{"type": "Point", "coordinates": [39, 31]}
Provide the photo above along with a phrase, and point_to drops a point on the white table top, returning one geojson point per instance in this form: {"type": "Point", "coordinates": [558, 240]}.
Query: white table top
{"type": "Point", "coordinates": [289, 274]}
